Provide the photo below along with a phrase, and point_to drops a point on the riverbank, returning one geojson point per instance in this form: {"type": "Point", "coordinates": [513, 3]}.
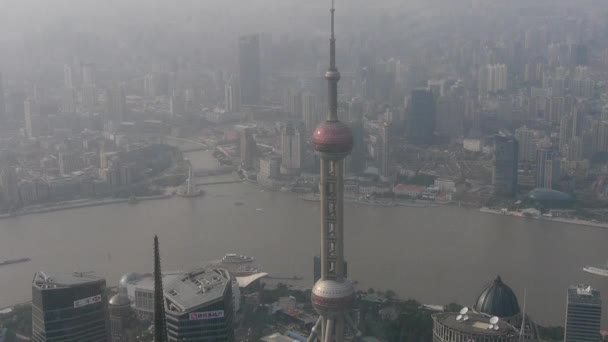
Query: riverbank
{"type": "Point", "coordinates": [544, 218]}
{"type": "Point", "coordinates": [375, 202]}
{"type": "Point", "coordinates": [79, 204]}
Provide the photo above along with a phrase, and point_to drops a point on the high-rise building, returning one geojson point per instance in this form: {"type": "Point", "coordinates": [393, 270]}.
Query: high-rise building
{"type": "Point", "coordinates": [504, 175]}
{"type": "Point", "coordinates": [575, 149]}
{"type": "Point", "coordinates": [355, 162]}
{"type": "Point", "coordinates": [291, 150]}
{"type": "Point", "coordinates": [565, 132]}
{"type": "Point", "coordinates": [232, 96]}
{"type": "Point", "coordinates": [309, 111]}
{"type": "Point", "coordinates": [450, 116]}
{"type": "Point", "coordinates": [421, 118]}
{"type": "Point", "coordinates": [249, 69]}
{"type": "Point", "coordinates": [547, 167]}
{"type": "Point", "coordinates": [89, 96]}
{"type": "Point", "coordinates": [9, 182]}
{"type": "Point", "coordinates": [88, 74]}
{"type": "Point", "coordinates": [117, 104]}
{"type": "Point", "coordinates": [119, 313]}
{"type": "Point", "coordinates": [68, 81]}
{"type": "Point", "coordinates": [333, 295]}
{"type": "Point", "coordinates": [199, 306]}
{"type": "Point", "coordinates": [385, 156]}
{"type": "Point", "coordinates": [526, 143]}
{"type": "Point", "coordinates": [583, 314]}
{"type": "Point", "coordinates": [248, 148]}
{"type": "Point", "coordinates": [177, 104]}
{"type": "Point", "coordinates": [293, 103]}
{"type": "Point", "coordinates": [69, 307]}
{"type": "Point", "coordinates": [35, 123]}
{"type": "Point", "coordinates": [68, 100]}
{"type": "Point", "coordinates": [492, 78]}
{"type": "Point", "coordinates": [2, 102]}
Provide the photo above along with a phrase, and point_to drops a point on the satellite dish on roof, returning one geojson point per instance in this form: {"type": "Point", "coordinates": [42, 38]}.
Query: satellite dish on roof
{"type": "Point", "coordinates": [496, 327]}
{"type": "Point", "coordinates": [494, 320]}
{"type": "Point", "coordinates": [490, 326]}
{"type": "Point", "coordinates": [464, 310]}
{"type": "Point", "coordinates": [465, 318]}
{"type": "Point", "coordinates": [459, 317]}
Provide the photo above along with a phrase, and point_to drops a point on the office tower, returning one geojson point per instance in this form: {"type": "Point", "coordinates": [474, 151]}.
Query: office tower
{"type": "Point", "coordinates": [355, 162]}
{"type": "Point", "coordinates": [89, 96]}
{"type": "Point", "coordinates": [68, 100]}
{"type": "Point", "coordinates": [293, 103]}
{"type": "Point", "coordinates": [291, 150]}
{"type": "Point", "coordinates": [69, 307]}
{"type": "Point", "coordinates": [575, 149]}
{"type": "Point", "coordinates": [450, 116]}
{"type": "Point", "coordinates": [200, 306]}
{"type": "Point", "coordinates": [504, 175]}
{"type": "Point", "coordinates": [3, 117]}
{"type": "Point", "coordinates": [578, 54]}
{"type": "Point", "coordinates": [232, 96]}
{"type": "Point", "coordinates": [492, 78]}
{"type": "Point", "coordinates": [248, 148]}
{"type": "Point", "coordinates": [526, 143]}
{"type": "Point", "coordinates": [177, 104]}
{"type": "Point", "coordinates": [333, 295]}
{"type": "Point", "coordinates": [249, 69]}
{"type": "Point", "coordinates": [69, 161]}
{"type": "Point", "coordinates": [160, 323]}
{"type": "Point", "coordinates": [151, 86]}
{"type": "Point", "coordinates": [355, 109]}
{"type": "Point", "coordinates": [119, 313]}
{"type": "Point", "coordinates": [309, 111]}
{"type": "Point", "coordinates": [421, 117]}
{"type": "Point", "coordinates": [88, 74]}
{"type": "Point", "coordinates": [68, 81]}
{"type": "Point", "coordinates": [565, 132]}
{"type": "Point", "coordinates": [35, 123]}
{"type": "Point", "coordinates": [9, 182]}
{"type": "Point", "coordinates": [583, 314]}
{"type": "Point", "coordinates": [547, 167]}
{"type": "Point", "coordinates": [385, 157]}
{"type": "Point", "coordinates": [117, 104]}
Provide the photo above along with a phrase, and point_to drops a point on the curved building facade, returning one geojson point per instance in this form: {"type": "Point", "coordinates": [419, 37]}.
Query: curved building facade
{"type": "Point", "coordinates": [119, 309]}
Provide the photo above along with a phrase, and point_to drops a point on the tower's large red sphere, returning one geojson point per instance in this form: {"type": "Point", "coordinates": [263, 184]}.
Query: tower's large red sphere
{"type": "Point", "coordinates": [333, 137]}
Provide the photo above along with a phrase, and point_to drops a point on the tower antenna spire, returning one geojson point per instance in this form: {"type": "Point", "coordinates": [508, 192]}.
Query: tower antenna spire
{"type": "Point", "coordinates": [160, 325]}
{"type": "Point", "coordinates": [332, 75]}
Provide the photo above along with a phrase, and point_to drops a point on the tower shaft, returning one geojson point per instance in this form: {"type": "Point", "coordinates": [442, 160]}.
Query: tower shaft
{"type": "Point", "coordinates": [333, 295]}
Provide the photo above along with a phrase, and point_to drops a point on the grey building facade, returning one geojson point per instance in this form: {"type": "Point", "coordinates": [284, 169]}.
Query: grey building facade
{"type": "Point", "coordinates": [69, 308]}
{"type": "Point", "coordinates": [583, 314]}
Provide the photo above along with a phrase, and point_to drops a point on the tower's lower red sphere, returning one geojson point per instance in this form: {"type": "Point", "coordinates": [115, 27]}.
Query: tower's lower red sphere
{"type": "Point", "coordinates": [333, 137]}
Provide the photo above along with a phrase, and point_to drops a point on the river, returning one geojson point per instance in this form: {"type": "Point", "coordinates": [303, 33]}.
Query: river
{"type": "Point", "coordinates": [435, 255]}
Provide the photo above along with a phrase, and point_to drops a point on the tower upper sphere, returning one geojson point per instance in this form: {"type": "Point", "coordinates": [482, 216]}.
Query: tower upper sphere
{"type": "Point", "coordinates": [333, 137]}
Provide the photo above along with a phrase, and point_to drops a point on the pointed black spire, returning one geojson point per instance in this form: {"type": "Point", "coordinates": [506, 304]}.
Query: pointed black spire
{"type": "Point", "coordinates": [160, 326]}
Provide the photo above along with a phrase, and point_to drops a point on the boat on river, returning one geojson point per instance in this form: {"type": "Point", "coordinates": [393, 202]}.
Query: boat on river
{"type": "Point", "coordinates": [14, 261]}
{"type": "Point", "coordinates": [601, 270]}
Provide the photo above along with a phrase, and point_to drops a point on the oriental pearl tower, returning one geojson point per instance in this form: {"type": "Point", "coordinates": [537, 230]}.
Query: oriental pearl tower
{"type": "Point", "coordinates": [333, 295]}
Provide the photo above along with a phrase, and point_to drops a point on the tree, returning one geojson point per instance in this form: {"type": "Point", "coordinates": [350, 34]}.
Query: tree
{"type": "Point", "coordinates": [390, 294]}
{"type": "Point", "coordinates": [371, 290]}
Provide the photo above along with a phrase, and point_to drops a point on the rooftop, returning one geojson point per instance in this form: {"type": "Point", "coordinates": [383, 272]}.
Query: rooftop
{"type": "Point", "coordinates": [584, 294]}
{"type": "Point", "coordinates": [476, 324]}
{"type": "Point", "coordinates": [190, 290]}
{"type": "Point", "coordinates": [53, 280]}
